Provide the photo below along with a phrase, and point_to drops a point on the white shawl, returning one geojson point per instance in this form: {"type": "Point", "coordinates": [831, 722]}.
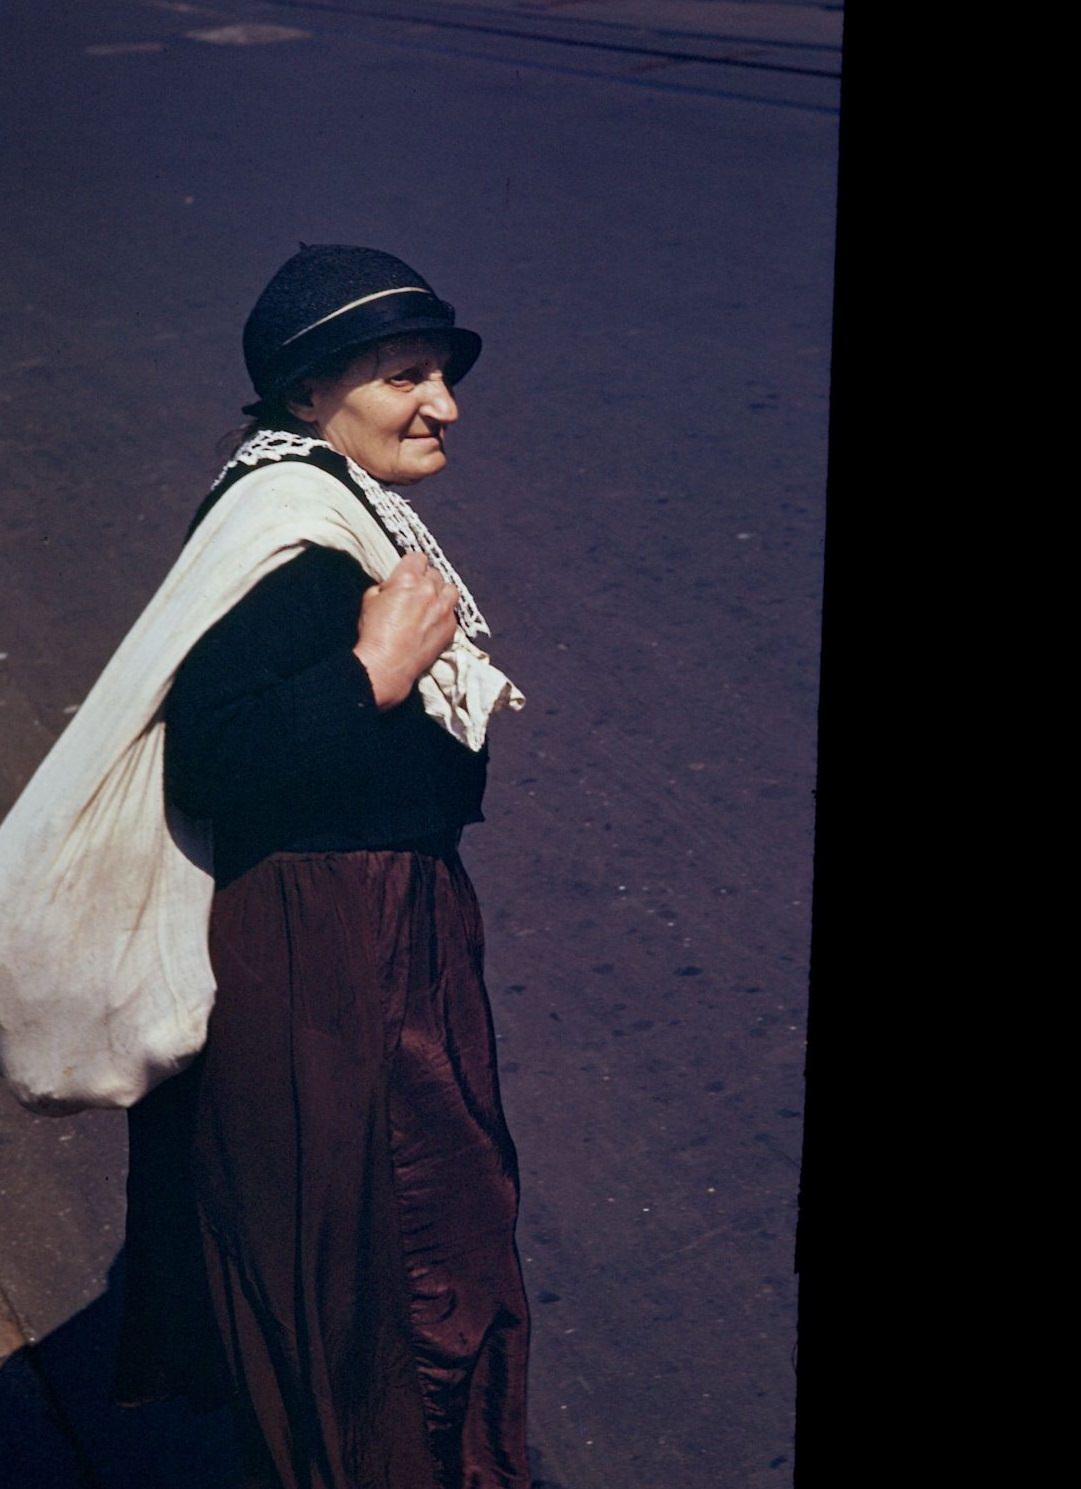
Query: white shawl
{"type": "Point", "coordinates": [105, 977]}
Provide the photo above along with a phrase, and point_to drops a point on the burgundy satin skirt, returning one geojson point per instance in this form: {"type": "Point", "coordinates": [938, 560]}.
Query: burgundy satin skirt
{"type": "Point", "coordinates": [354, 1187]}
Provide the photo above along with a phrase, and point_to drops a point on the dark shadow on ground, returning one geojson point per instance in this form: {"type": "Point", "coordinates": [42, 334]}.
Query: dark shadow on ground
{"type": "Point", "coordinates": [59, 1429]}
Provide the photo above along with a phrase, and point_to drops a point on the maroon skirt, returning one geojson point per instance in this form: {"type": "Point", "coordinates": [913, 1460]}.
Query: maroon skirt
{"type": "Point", "coordinates": [353, 1188]}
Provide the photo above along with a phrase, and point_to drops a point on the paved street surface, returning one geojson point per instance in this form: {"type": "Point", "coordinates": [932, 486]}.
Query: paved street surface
{"type": "Point", "coordinates": [633, 202]}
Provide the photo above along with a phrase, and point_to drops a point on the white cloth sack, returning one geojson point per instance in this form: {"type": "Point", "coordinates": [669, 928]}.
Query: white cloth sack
{"type": "Point", "coordinates": [105, 976]}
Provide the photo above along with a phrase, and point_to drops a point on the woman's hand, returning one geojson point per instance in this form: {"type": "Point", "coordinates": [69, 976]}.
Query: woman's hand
{"type": "Point", "coordinates": [405, 623]}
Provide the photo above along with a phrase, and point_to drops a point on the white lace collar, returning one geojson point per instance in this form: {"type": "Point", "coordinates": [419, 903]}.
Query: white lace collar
{"type": "Point", "coordinates": [394, 511]}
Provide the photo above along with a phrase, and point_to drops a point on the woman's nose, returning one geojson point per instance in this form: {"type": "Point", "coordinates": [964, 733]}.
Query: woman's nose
{"type": "Point", "coordinates": [439, 402]}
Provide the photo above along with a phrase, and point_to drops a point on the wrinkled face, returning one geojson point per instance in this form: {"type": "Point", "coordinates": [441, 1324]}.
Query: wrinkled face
{"type": "Point", "coordinates": [389, 409]}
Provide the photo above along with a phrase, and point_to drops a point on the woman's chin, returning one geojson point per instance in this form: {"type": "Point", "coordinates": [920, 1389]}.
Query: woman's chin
{"type": "Point", "coordinates": [420, 465]}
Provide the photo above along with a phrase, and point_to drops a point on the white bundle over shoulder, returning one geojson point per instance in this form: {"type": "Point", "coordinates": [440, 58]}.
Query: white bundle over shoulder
{"type": "Point", "coordinates": [105, 976]}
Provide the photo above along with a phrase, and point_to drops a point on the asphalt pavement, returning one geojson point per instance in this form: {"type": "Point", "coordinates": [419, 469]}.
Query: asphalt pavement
{"type": "Point", "coordinates": [634, 203]}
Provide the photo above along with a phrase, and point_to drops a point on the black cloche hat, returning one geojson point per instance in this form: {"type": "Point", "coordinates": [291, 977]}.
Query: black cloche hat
{"type": "Point", "coordinates": [330, 297]}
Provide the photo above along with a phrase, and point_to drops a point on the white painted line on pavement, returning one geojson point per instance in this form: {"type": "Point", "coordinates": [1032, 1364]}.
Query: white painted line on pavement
{"type": "Point", "coordinates": [123, 48]}
{"type": "Point", "coordinates": [247, 36]}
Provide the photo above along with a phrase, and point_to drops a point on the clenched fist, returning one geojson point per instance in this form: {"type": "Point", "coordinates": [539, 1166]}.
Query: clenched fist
{"type": "Point", "coordinates": [405, 623]}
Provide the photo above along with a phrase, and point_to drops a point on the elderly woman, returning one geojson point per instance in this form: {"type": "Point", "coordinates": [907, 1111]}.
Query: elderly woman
{"type": "Point", "coordinates": [332, 1182]}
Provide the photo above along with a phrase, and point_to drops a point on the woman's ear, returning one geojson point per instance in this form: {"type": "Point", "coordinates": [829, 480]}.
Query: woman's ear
{"type": "Point", "coordinates": [300, 404]}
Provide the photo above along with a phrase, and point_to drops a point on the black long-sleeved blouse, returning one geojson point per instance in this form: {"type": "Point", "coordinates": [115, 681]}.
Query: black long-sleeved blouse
{"type": "Point", "coordinates": [273, 733]}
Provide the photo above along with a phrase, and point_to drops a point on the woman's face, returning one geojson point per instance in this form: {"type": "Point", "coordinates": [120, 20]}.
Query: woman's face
{"type": "Point", "coordinates": [389, 409]}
